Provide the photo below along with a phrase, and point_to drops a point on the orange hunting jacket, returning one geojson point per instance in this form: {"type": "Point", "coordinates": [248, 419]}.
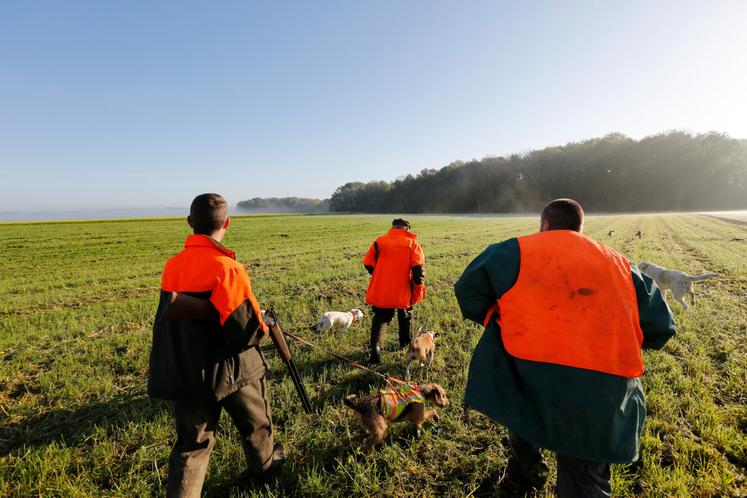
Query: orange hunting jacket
{"type": "Point", "coordinates": [206, 359]}
{"type": "Point", "coordinates": [573, 304]}
{"type": "Point", "coordinates": [394, 258]}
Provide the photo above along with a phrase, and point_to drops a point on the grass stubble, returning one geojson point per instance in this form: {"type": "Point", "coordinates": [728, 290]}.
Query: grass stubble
{"type": "Point", "coordinates": [76, 307]}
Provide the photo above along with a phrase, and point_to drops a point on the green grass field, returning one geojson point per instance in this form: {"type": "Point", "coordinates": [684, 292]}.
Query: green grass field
{"type": "Point", "coordinates": [77, 300]}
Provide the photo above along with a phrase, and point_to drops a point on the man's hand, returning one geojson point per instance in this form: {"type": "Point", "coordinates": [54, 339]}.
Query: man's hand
{"type": "Point", "coordinates": [267, 319]}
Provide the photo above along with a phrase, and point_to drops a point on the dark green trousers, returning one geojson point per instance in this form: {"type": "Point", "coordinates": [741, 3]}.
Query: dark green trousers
{"type": "Point", "coordinates": [576, 478]}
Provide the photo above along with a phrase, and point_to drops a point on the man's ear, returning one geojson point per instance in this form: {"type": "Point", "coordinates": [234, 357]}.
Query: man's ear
{"type": "Point", "coordinates": [189, 221]}
{"type": "Point", "coordinates": [228, 222]}
{"type": "Point", "coordinates": [544, 225]}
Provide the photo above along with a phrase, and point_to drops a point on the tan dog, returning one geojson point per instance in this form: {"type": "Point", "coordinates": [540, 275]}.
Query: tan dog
{"type": "Point", "coordinates": [422, 348]}
{"type": "Point", "coordinates": [679, 283]}
{"type": "Point", "coordinates": [407, 403]}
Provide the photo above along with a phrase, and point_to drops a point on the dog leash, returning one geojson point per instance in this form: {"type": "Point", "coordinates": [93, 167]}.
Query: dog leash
{"type": "Point", "coordinates": [387, 378]}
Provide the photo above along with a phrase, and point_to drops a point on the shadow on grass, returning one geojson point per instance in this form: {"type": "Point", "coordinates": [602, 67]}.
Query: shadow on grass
{"type": "Point", "coordinates": [72, 426]}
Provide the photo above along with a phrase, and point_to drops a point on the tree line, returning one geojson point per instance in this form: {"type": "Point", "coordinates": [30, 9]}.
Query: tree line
{"type": "Point", "coordinates": [673, 171]}
{"type": "Point", "coordinates": [283, 205]}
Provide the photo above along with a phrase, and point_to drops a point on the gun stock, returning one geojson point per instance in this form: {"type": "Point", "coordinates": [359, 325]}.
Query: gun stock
{"type": "Point", "coordinates": [278, 339]}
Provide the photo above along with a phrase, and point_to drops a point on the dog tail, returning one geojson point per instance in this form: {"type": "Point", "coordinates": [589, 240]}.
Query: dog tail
{"type": "Point", "coordinates": [351, 401]}
{"type": "Point", "coordinates": [702, 276]}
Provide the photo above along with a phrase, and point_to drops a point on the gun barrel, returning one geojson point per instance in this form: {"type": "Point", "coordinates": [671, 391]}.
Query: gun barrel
{"type": "Point", "coordinates": [278, 338]}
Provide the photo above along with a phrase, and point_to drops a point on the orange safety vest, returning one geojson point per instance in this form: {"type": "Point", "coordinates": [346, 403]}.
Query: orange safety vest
{"type": "Point", "coordinates": [392, 255]}
{"type": "Point", "coordinates": [393, 402]}
{"type": "Point", "coordinates": [205, 266]}
{"type": "Point", "coordinates": [573, 304]}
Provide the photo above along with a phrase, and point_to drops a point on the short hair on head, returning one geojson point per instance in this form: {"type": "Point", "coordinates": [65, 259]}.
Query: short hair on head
{"type": "Point", "coordinates": [208, 213]}
{"type": "Point", "coordinates": [400, 223]}
{"type": "Point", "coordinates": [563, 214]}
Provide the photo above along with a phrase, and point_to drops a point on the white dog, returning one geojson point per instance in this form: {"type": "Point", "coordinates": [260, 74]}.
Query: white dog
{"type": "Point", "coordinates": [338, 319]}
{"type": "Point", "coordinates": [681, 284]}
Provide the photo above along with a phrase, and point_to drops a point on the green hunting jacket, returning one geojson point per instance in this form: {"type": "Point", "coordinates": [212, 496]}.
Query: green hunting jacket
{"type": "Point", "coordinates": [575, 412]}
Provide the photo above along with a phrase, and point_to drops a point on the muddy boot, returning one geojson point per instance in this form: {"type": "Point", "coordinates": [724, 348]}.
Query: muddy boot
{"type": "Point", "coordinates": [278, 460]}
{"type": "Point", "coordinates": [378, 331]}
{"type": "Point", "coordinates": [403, 320]}
{"type": "Point", "coordinates": [526, 463]}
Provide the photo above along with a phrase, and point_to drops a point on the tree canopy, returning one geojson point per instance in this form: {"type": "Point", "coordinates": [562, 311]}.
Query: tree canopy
{"type": "Point", "coordinates": [665, 172]}
{"type": "Point", "coordinates": [284, 205]}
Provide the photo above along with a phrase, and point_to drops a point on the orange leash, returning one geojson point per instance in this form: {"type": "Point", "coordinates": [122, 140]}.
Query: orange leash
{"type": "Point", "coordinates": [387, 378]}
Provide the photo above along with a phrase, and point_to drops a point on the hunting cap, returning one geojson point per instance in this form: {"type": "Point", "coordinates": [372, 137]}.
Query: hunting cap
{"type": "Point", "coordinates": [401, 223]}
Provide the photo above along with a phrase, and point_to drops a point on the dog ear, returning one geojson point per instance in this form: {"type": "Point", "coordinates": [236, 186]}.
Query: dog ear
{"type": "Point", "coordinates": [425, 389]}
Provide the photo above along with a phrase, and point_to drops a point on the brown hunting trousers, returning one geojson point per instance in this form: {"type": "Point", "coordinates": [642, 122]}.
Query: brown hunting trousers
{"type": "Point", "coordinates": [196, 424]}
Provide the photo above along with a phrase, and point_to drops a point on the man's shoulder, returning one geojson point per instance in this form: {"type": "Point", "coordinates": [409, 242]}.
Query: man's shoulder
{"type": "Point", "coordinates": [208, 260]}
{"type": "Point", "coordinates": [174, 262]}
{"type": "Point", "coordinates": [508, 245]}
{"type": "Point", "coordinates": [229, 265]}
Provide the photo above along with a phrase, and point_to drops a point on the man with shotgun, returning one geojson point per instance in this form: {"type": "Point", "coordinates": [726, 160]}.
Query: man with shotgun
{"type": "Point", "coordinates": [205, 354]}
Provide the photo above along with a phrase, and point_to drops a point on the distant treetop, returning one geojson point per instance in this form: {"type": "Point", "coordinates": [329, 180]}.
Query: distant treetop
{"type": "Point", "coordinates": [672, 171]}
{"type": "Point", "coordinates": [284, 205]}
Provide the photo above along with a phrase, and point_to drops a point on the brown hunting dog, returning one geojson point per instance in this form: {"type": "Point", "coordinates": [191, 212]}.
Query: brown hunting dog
{"type": "Point", "coordinates": [407, 403]}
{"type": "Point", "coordinates": [421, 349]}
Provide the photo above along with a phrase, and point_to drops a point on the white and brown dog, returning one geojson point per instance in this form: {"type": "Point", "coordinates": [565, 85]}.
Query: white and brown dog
{"type": "Point", "coordinates": [679, 283]}
{"type": "Point", "coordinates": [338, 320]}
{"type": "Point", "coordinates": [421, 348]}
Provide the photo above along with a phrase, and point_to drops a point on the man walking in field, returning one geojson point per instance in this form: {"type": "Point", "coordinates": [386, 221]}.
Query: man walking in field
{"type": "Point", "coordinates": [396, 264]}
{"type": "Point", "coordinates": [559, 363]}
{"type": "Point", "coordinates": [206, 355]}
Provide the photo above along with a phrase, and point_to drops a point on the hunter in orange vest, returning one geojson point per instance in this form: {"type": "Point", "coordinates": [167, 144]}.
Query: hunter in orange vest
{"type": "Point", "coordinates": [396, 264]}
{"type": "Point", "coordinates": [205, 354]}
{"type": "Point", "coordinates": [559, 363]}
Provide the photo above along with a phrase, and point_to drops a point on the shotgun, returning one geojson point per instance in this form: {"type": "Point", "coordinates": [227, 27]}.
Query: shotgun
{"type": "Point", "coordinates": [278, 338]}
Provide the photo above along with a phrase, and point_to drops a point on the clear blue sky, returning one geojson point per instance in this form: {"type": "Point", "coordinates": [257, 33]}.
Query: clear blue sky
{"type": "Point", "coordinates": [145, 104]}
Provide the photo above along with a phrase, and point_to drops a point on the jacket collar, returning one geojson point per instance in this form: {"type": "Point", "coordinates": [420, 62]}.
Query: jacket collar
{"type": "Point", "coordinates": [400, 232]}
{"type": "Point", "coordinates": [200, 240]}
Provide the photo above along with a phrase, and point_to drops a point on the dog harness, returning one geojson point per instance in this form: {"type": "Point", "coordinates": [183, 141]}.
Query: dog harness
{"type": "Point", "coordinates": [573, 304]}
{"type": "Point", "coordinates": [393, 402]}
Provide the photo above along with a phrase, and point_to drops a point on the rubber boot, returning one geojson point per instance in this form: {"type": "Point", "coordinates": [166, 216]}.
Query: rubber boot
{"type": "Point", "coordinates": [375, 359]}
{"type": "Point", "coordinates": [403, 320]}
{"type": "Point", "coordinates": [378, 331]}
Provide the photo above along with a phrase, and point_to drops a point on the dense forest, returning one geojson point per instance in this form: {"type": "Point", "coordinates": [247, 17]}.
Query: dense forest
{"type": "Point", "coordinates": [673, 171]}
{"type": "Point", "coordinates": [284, 205]}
